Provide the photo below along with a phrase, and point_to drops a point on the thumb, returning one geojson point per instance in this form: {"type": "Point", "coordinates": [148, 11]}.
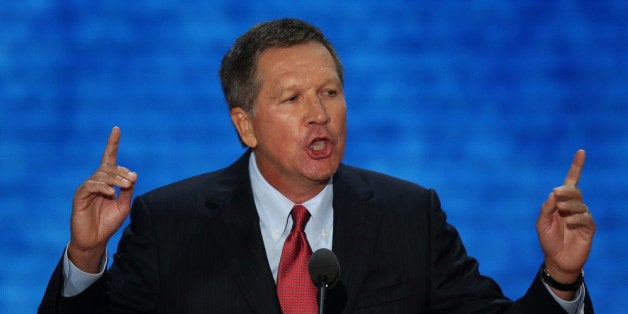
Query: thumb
{"type": "Point", "coordinates": [126, 194]}
{"type": "Point", "coordinates": [547, 212]}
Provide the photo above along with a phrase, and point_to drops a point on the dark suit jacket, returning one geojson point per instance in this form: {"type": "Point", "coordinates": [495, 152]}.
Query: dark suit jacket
{"type": "Point", "coordinates": [195, 247]}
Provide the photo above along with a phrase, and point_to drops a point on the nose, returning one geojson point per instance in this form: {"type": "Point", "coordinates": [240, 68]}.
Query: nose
{"type": "Point", "coordinates": [316, 111]}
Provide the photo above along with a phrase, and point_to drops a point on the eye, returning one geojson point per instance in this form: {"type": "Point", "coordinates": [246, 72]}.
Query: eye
{"type": "Point", "coordinates": [291, 99]}
{"type": "Point", "coordinates": [330, 93]}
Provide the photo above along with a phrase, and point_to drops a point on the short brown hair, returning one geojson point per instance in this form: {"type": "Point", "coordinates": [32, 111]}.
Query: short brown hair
{"type": "Point", "coordinates": [238, 69]}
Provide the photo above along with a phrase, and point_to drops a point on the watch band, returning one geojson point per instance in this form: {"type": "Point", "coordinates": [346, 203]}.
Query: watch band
{"type": "Point", "coordinates": [547, 278]}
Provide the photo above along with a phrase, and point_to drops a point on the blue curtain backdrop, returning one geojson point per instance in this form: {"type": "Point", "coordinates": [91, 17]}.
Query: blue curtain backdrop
{"type": "Point", "coordinates": [485, 101]}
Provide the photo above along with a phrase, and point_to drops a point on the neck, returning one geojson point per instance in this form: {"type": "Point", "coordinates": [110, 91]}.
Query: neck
{"type": "Point", "coordinates": [299, 193]}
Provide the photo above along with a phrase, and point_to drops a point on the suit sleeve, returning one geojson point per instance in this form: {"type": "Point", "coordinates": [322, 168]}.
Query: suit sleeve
{"type": "Point", "coordinates": [134, 276]}
{"type": "Point", "coordinates": [91, 300]}
{"type": "Point", "coordinates": [129, 286]}
{"type": "Point", "coordinates": [457, 285]}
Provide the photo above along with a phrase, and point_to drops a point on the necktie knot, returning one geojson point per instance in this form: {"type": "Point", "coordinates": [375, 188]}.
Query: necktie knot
{"type": "Point", "coordinates": [300, 216]}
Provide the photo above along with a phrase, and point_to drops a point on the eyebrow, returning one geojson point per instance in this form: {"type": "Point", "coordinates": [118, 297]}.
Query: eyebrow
{"type": "Point", "coordinates": [278, 91]}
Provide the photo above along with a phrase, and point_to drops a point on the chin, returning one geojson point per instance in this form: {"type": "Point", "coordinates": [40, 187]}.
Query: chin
{"type": "Point", "coordinates": [324, 171]}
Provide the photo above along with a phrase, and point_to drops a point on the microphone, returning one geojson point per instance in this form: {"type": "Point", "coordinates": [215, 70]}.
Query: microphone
{"type": "Point", "coordinates": [324, 270]}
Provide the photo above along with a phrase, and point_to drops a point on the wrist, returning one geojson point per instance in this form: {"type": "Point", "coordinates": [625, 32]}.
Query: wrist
{"type": "Point", "coordinates": [86, 260]}
{"type": "Point", "coordinates": [561, 281]}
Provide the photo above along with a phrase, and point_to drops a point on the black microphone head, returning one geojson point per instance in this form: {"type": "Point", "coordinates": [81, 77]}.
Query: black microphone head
{"type": "Point", "coordinates": [324, 268]}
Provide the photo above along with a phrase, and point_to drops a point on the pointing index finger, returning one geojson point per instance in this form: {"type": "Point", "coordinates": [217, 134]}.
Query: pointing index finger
{"type": "Point", "coordinates": [573, 175]}
{"type": "Point", "coordinates": [111, 151]}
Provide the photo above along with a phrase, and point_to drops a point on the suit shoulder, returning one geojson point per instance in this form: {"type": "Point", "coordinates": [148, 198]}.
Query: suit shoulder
{"type": "Point", "coordinates": [218, 181]}
{"type": "Point", "coordinates": [178, 202]}
{"type": "Point", "coordinates": [183, 188]}
{"type": "Point", "coordinates": [381, 182]}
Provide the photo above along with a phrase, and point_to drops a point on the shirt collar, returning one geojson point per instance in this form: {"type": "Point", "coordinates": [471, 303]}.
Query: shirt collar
{"type": "Point", "coordinates": [273, 208]}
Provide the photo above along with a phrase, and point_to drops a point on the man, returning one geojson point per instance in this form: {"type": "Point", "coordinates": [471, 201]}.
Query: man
{"type": "Point", "coordinates": [223, 241]}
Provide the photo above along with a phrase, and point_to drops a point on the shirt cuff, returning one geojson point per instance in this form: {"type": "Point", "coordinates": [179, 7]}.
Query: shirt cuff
{"type": "Point", "coordinates": [75, 280]}
{"type": "Point", "coordinates": [575, 306]}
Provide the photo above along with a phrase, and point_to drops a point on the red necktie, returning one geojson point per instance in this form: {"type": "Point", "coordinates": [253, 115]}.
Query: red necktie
{"type": "Point", "coordinates": [297, 293]}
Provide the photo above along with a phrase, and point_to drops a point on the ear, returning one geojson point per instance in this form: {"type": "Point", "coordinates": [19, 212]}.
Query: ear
{"type": "Point", "coordinates": [244, 125]}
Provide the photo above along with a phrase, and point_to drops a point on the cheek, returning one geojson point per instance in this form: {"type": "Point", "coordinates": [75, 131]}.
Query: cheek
{"type": "Point", "coordinates": [339, 120]}
{"type": "Point", "coordinates": [278, 132]}
{"type": "Point", "coordinates": [339, 110]}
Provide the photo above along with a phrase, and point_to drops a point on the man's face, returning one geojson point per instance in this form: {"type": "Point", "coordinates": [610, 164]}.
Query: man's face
{"type": "Point", "coordinates": [298, 129]}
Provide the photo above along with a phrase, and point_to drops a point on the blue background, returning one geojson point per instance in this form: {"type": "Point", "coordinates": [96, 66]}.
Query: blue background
{"type": "Point", "coordinates": [485, 101]}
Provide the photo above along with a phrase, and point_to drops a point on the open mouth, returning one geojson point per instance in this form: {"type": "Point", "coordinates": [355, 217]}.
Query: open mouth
{"type": "Point", "coordinates": [318, 144]}
{"type": "Point", "coordinates": [320, 147]}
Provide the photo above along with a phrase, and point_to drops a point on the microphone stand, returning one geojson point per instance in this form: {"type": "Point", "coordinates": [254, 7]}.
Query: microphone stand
{"type": "Point", "coordinates": [322, 288]}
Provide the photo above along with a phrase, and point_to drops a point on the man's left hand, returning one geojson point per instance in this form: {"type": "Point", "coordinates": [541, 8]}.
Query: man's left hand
{"type": "Point", "coordinates": [566, 228]}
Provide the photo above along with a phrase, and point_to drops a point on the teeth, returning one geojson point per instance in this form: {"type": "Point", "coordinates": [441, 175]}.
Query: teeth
{"type": "Point", "coordinates": [318, 145]}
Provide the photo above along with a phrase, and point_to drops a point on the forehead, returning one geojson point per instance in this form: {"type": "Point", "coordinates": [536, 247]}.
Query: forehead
{"type": "Point", "coordinates": [307, 58]}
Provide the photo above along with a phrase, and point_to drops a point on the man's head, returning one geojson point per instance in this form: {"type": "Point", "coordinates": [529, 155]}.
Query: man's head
{"type": "Point", "coordinates": [293, 115]}
{"type": "Point", "coordinates": [238, 71]}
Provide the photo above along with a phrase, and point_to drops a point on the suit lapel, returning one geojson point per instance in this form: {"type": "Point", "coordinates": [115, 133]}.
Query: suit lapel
{"type": "Point", "coordinates": [232, 220]}
{"type": "Point", "coordinates": [355, 234]}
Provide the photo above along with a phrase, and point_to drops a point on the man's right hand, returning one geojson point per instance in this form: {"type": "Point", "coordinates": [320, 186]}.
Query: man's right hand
{"type": "Point", "coordinates": [97, 213]}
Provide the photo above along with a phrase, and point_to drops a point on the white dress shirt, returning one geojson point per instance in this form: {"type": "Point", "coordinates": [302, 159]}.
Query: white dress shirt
{"type": "Point", "coordinates": [275, 220]}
